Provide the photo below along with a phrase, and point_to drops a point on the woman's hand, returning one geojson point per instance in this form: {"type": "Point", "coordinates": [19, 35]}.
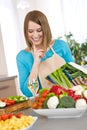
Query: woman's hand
{"type": "Point", "coordinates": [38, 54]}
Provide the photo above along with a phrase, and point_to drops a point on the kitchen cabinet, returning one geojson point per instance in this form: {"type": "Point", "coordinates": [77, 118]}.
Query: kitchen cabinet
{"type": "Point", "coordinates": [8, 86]}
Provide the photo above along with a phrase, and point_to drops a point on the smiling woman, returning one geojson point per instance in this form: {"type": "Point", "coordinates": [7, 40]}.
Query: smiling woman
{"type": "Point", "coordinates": [42, 53]}
{"type": "Point", "coordinates": [63, 17]}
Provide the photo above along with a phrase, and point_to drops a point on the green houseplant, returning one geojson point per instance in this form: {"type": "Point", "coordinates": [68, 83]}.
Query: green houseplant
{"type": "Point", "coordinates": [79, 50]}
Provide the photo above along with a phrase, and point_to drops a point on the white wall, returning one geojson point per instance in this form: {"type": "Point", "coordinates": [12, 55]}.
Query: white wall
{"type": "Point", "coordinates": [11, 34]}
{"type": "Point", "coordinates": [52, 10]}
{"type": "Point", "coordinates": [3, 67]}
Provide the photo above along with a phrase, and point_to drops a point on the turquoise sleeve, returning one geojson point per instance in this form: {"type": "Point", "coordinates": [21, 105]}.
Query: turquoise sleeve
{"type": "Point", "coordinates": [23, 78]}
{"type": "Point", "coordinates": [24, 64]}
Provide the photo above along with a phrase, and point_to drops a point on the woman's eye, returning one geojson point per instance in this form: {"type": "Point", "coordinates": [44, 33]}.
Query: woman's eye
{"type": "Point", "coordinates": [30, 31]}
{"type": "Point", "coordinates": [39, 30]}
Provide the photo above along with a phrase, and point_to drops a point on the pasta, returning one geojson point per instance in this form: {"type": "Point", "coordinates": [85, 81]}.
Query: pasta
{"type": "Point", "coordinates": [15, 123]}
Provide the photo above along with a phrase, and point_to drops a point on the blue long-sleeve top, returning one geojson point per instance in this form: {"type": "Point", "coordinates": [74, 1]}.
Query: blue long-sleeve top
{"type": "Point", "coordinates": [25, 62]}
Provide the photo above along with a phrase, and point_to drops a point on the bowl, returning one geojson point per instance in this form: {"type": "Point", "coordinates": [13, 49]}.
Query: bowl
{"type": "Point", "coordinates": [61, 112]}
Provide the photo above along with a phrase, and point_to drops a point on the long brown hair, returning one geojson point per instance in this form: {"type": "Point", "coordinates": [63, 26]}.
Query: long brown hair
{"type": "Point", "coordinates": [39, 18]}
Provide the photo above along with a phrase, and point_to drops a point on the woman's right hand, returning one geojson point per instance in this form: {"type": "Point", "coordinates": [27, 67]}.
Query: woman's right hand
{"type": "Point", "coordinates": [38, 54]}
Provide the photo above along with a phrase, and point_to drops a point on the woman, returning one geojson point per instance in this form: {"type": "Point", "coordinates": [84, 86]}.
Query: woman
{"type": "Point", "coordinates": [40, 48]}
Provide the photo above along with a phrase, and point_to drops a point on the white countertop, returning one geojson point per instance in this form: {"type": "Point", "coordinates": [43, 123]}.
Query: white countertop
{"type": "Point", "coordinates": [44, 123]}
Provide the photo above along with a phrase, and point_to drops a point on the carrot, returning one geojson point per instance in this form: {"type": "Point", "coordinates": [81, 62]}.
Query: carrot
{"type": "Point", "coordinates": [34, 105]}
{"type": "Point", "coordinates": [42, 99]}
{"type": "Point", "coordinates": [40, 103]}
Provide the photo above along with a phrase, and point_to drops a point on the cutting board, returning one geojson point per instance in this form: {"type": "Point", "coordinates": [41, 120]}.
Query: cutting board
{"type": "Point", "coordinates": [16, 107]}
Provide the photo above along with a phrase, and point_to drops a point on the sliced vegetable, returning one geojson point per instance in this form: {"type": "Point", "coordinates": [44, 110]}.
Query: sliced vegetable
{"type": "Point", "coordinates": [17, 98]}
{"type": "Point", "coordinates": [2, 104]}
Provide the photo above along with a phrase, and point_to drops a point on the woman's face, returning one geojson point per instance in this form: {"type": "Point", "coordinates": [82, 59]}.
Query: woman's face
{"type": "Point", "coordinates": [35, 33]}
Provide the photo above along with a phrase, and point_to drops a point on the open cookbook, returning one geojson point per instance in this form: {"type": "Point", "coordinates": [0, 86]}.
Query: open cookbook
{"type": "Point", "coordinates": [68, 74]}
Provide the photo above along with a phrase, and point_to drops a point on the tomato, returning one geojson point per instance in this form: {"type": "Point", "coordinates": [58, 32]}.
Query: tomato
{"type": "Point", "coordinates": [11, 102]}
{"type": "Point", "coordinates": [45, 93]}
{"type": "Point", "coordinates": [0, 118]}
{"type": "Point", "coordinates": [41, 99]}
{"type": "Point", "coordinates": [70, 92]}
{"type": "Point", "coordinates": [4, 99]}
{"type": "Point", "coordinates": [19, 115]}
{"type": "Point", "coordinates": [76, 97]}
{"type": "Point", "coordinates": [5, 117]}
{"type": "Point", "coordinates": [8, 104]}
{"type": "Point", "coordinates": [10, 115]}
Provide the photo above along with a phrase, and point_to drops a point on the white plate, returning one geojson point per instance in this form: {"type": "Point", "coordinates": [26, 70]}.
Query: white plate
{"type": "Point", "coordinates": [35, 118]}
{"type": "Point", "coordinates": [61, 112]}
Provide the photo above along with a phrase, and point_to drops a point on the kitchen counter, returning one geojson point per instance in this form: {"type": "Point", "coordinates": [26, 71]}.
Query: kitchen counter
{"type": "Point", "coordinates": [8, 85]}
{"type": "Point", "coordinates": [44, 123]}
{"type": "Point", "coordinates": [5, 77]}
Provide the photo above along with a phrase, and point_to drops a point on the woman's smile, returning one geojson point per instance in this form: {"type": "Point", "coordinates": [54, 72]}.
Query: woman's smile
{"type": "Point", "coordinates": [35, 33]}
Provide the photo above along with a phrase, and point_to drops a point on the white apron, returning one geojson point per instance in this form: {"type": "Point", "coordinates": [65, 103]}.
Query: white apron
{"type": "Point", "coordinates": [48, 66]}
